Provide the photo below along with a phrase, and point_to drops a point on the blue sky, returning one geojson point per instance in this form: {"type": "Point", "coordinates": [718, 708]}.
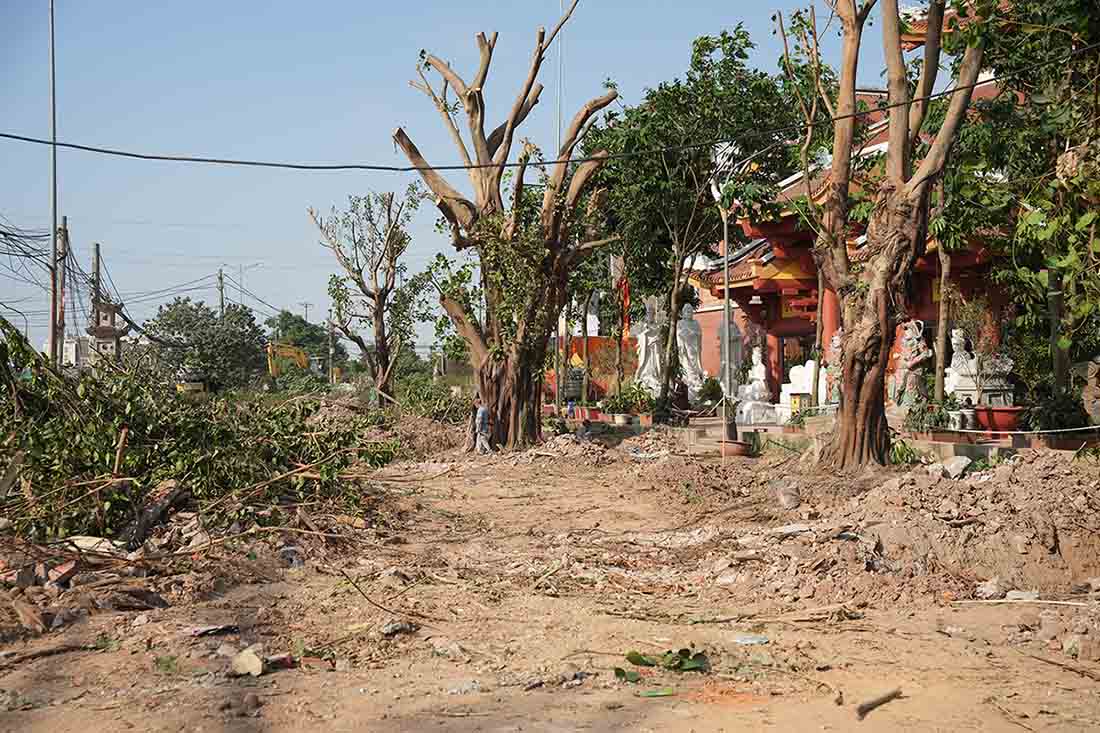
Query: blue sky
{"type": "Point", "coordinates": [322, 82]}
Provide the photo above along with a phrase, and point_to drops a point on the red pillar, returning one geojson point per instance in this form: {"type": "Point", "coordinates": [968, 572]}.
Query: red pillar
{"type": "Point", "coordinates": [773, 359]}
{"type": "Point", "coordinates": [830, 320]}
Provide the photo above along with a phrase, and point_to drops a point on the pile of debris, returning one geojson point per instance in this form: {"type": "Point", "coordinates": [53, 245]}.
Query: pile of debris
{"type": "Point", "coordinates": [179, 559]}
{"type": "Point", "coordinates": [651, 444]}
{"type": "Point", "coordinates": [587, 452]}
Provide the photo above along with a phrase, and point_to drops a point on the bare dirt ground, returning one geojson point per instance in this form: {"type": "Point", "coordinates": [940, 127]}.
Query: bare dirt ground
{"type": "Point", "coordinates": [503, 592]}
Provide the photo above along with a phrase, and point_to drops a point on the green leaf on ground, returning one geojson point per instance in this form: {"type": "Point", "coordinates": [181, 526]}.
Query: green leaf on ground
{"type": "Point", "coordinates": [662, 692]}
{"type": "Point", "coordinates": [640, 659]}
{"type": "Point", "coordinates": [627, 675]}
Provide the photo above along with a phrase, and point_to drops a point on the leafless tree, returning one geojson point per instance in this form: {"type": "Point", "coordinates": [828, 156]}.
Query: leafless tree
{"type": "Point", "coordinates": [529, 242]}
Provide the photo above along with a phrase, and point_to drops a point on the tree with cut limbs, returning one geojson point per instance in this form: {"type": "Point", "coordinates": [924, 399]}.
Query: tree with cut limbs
{"type": "Point", "coordinates": [526, 253]}
{"type": "Point", "coordinates": [368, 240]}
{"type": "Point", "coordinates": [873, 293]}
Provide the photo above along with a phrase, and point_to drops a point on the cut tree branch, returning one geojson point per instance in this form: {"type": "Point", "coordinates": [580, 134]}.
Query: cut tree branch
{"type": "Point", "coordinates": [460, 212]}
{"type": "Point", "coordinates": [897, 156]}
{"type": "Point", "coordinates": [929, 69]}
{"type": "Point", "coordinates": [934, 161]}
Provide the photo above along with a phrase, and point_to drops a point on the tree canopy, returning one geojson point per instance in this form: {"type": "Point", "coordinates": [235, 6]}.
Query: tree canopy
{"type": "Point", "coordinates": [228, 351]}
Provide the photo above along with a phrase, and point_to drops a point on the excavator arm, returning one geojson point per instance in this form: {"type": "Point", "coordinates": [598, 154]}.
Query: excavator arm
{"type": "Point", "coordinates": [284, 351]}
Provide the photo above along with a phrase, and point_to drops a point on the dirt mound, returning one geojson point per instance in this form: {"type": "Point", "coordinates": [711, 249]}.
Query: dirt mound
{"type": "Point", "coordinates": [887, 537]}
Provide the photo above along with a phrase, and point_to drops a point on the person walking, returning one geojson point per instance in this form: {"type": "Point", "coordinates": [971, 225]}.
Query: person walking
{"type": "Point", "coordinates": [481, 423]}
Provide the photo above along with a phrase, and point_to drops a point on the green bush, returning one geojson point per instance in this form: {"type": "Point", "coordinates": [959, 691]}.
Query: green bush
{"type": "Point", "coordinates": [419, 395]}
{"type": "Point", "coordinates": [711, 391]}
{"type": "Point", "coordinates": [1061, 410]}
{"type": "Point", "coordinates": [925, 416]}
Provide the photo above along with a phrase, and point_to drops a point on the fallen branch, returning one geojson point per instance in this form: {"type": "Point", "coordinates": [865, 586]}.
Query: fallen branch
{"type": "Point", "coordinates": [865, 708]}
{"type": "Point", "coordinates": [1012, 718]}
{"type": "Point", "coordinates": [383, 608]}
{"type": "Point", "coordinates": [51, 651]}
{"type": "Point", "coordinates": [1035, 602]}
{"type": "Point", "coordinates": [1069, 667]}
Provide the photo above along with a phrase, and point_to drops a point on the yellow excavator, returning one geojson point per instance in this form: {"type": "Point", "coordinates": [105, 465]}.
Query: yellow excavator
{"type": "Point", "coordinates": [275, 352]}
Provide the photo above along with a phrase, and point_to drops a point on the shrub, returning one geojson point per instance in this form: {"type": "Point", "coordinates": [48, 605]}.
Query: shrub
{"type": "Point", "coordinates": [711, 391]}
{"type": "Point", "coordinates": [1061, 410]}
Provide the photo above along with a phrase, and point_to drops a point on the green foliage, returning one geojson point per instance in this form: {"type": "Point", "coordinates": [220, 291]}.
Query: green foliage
{"type": "Point", "coordinates": [1025, 170]}
{"type": "Point", "coordinates": [797, 419]}
{"type": "Point", "coordinates": [616, 404]}
{"type": "Point", "coordinates": [69, 428]}
{"type": "Point", "coordinates": [634, 397]}
{"type": "Point", "coordinates": [681, 660]}
{"type": "Point", "coordinates": [227, 351]}
{"type": "Point", "coordinates": [421, 396]}
{"type": "Point", "coordinates": [711, 391]}
{"type": "Point", "coordinates": [1061, 410]}
{"type": "Point", "coordinates": [925, 416]}
{"type": "Point", "coordinates": [903, 454]}
{"type": "Point", "coordinates": [662, 205]}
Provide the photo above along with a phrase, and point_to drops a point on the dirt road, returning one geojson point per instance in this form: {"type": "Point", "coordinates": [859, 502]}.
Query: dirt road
{"type": "Point", "coordinates": [525, 580]}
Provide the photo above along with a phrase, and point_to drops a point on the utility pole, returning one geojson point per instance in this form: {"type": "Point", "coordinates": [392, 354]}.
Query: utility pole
{"type": "Point", "coordinates": [59, 268]}
{"type": "Point", "coordinates": [221, 294]}
{"type": "Point", "coordinates": [331, 352]}
{"type": "Point", "coordinates": [54, 348]}
{"type": "Point", "coordinates": [96, 287]}
{"type": "Point", "coordinates": [306, 306]}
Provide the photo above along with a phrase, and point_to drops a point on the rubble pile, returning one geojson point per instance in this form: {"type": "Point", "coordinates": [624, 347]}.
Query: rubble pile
{"type": "Point", "coordinates": [587, 452]}
{"type": "Point", "coordinates": [1022, 529]}
{"type": "Point", "coordinates": [652, 443]}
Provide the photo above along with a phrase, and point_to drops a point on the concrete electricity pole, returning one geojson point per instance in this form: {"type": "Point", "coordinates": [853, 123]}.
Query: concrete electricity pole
{"type": "Point", "coordinates": [221, 294]}
{"type": "Point", "coordinates": [331, 352]}
{"type": "Point", "coordinates": [59, 270]}
{"type": "Point", "coordinates": [306, 306]}
{"type": "Point", "coordinates": [54, 347]}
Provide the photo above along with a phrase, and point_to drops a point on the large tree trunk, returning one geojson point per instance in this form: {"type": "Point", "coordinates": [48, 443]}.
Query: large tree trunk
{"type": "Point", "coordinates": [383, 381]}
{"type": "Point", "coordinates": [512, 390]}
{"type": "Point", "coordinates": [862, 435]}
{"type": "Point", "coordinates": [941, 327]}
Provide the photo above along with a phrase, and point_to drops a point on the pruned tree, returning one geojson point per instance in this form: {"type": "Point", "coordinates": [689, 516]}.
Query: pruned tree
{"type": "Point", "coordinates": [874, 292]}
{"type": "Point", "coordinates": [525, 251]}
{"type": "Point", "coordinates": [369, 240]}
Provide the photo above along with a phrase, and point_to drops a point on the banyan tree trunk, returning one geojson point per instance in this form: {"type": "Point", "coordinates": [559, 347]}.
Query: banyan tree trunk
{"type": "Point", "coordinates": [862, 435]}
{"type": "Point", "coordinates": [512, 390]}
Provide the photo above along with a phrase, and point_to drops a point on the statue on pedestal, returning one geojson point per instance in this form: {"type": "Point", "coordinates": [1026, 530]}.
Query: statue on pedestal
{"type": "Point", "coordinates": [755, 398]}
{"type": "Point", "coordinates": [650, 353]}
{"type": "Point", "coordinates": [689, 341]}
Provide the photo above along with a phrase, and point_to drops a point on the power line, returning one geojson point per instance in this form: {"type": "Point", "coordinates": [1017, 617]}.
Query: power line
{"type": "Point", "coordinates": [802, 126]}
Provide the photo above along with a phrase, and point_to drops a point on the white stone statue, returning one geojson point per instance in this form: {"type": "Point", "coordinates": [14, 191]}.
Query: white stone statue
{"type": "Point", "coordinates": [983, 379]}
{"type": "Point", "coordinates": [650, 353]}
{"type": "Point", "coordinates": [755, 398]}
{"type": "Point", "coordinates": [689, 341]}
